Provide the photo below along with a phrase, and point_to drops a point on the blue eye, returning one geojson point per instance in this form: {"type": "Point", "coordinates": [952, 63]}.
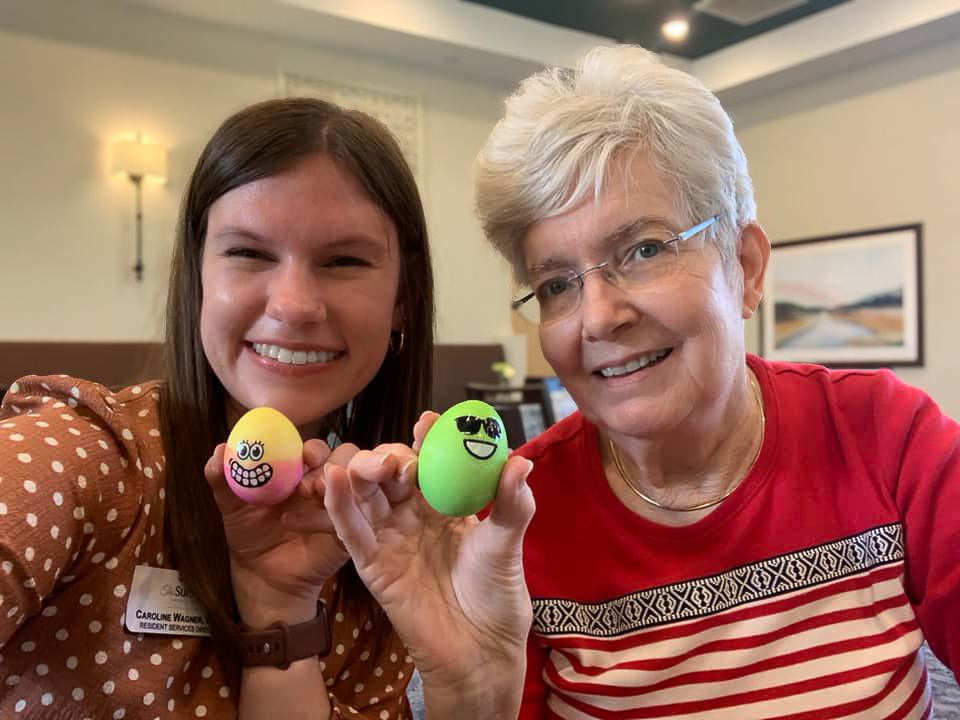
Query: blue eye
{"type": "Point", "coordinates": [552, 288]}
{"type": "Point", "coordinates": [243, 450]}
{"type": "Point", "coordinates": [644, 250]}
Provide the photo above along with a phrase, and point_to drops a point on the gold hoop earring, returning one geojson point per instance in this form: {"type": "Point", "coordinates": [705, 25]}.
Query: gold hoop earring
{"type": "Point", "coordinates": [396, 345]}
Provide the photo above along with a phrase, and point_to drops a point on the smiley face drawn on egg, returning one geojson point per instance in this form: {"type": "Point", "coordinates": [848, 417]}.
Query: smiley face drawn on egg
{"type": "Point", "coordinates": [478, 428]}
{"type": "Point", "coordinates": [461, 458]}
{"type": "Point", "coordinates": [263, 460]}
{"type": "Point", "coordinates": [246, 468]}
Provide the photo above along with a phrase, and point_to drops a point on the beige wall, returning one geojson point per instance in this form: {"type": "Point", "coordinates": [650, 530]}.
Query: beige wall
{"type": "Point", "coordinates": [74, 76]}
{"type": "Point", "coordinates": [876, 148]}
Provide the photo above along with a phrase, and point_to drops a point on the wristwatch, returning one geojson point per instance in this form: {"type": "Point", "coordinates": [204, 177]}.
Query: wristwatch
{"type": "Point", "coordinates": [281, 644]}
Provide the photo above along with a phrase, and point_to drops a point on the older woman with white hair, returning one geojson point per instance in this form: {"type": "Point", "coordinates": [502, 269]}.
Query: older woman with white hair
{"type": "Point", "coordinates": [716, 535]}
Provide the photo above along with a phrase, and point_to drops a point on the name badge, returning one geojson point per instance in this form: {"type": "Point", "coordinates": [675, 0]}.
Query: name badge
{"type": "Point", "coordinates": [160, 603]}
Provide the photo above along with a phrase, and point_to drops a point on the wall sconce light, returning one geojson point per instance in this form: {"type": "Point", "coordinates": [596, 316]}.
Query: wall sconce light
{"type": "Point", "coordinates": [140, 161]}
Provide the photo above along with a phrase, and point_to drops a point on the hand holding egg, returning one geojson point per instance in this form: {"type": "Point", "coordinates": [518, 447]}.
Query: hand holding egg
{"type": "Point", "coordinates": [263, 461]}
{"type": "Point", "coordinates": [461, 458]}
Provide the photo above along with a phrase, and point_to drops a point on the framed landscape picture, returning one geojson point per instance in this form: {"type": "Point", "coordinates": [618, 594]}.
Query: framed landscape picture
{"type": "Point", "coordinates": [852, 300]}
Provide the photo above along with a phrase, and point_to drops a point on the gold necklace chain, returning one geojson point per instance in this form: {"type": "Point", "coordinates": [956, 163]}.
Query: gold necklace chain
{"type": "Point", "coordinates": [710, 503]}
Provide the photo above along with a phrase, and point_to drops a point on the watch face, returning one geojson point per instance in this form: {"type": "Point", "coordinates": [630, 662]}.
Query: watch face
{"type": "Point", "coordinates": [263, 461]}
{"type": "Point", "coordinates": [461, 458]}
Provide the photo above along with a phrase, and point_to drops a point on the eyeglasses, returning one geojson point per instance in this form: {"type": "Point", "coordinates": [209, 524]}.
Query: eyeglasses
{"type": "Point", "coordinates": [471, 425]}
{"type": "Point", "coordinates": [638, 260]}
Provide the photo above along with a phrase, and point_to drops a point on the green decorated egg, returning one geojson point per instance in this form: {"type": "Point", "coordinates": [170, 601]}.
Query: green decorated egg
{"type": "Point", "coordinates": [461, 458]}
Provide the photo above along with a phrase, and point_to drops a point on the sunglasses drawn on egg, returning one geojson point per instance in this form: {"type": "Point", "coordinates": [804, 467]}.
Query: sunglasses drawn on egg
{"type": "Point", "coordinates": [484, 427]}
{"type": "Point", "coordinates": [250, 477]}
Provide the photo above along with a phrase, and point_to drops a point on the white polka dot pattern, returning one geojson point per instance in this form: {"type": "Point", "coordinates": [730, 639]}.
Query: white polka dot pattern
{"type": "Point", "coordinates": [83, 499]}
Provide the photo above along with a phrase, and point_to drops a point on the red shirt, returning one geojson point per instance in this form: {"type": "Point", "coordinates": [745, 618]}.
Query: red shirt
{"type": "Point", "coordinates": [806, 594]}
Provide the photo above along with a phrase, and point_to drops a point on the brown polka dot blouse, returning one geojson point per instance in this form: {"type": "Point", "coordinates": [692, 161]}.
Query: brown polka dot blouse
{"type": "Point", "coordinates": [81, 504]}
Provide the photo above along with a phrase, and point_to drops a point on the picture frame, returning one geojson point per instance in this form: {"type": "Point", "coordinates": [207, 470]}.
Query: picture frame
{"type": "Point", "coordinates": [850, 300]}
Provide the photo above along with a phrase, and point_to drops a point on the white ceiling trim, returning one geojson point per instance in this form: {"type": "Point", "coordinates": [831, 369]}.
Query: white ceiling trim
{"type": "Point", "coordinates": [483, 42]}
{"type": "Point", "coordinates": [819, 37]}
{"type": "Point", "coordinates": [465, 24]}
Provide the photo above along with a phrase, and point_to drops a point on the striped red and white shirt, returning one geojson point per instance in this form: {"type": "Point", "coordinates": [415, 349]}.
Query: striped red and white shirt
{"type": "Point", "coordinates": [806, 594]}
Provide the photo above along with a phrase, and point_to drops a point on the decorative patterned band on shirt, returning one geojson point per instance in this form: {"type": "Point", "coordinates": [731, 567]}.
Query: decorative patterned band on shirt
{"type": "Point", "coordinates": [705, 596]}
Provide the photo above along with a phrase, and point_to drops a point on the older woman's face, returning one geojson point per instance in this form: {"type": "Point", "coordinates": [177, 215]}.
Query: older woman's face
{"type": "Point", "coordinates": [685, 328]}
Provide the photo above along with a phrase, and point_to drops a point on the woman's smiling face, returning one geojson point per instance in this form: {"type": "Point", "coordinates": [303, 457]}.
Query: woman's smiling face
{"type": "Point", "coordinates": [300, 275]}
{"type": "Point", "coordinates": [640, 361]}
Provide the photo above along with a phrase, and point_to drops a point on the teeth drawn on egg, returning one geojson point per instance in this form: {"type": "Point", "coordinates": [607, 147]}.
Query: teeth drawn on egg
{"type": "Point", "coordinates": [250, 477]}
{"type": "Point", "coordinates": [480, 449]}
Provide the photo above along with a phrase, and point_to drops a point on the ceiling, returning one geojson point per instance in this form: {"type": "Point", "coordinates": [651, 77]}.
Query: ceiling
{"type": "Point", "coordinates": [474, 39]}
{"type": "Point", "coordinates": [714, 24]}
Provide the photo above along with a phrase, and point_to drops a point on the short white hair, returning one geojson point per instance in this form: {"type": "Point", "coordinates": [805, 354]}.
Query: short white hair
{"type": "Point", "coordinates": [562, 129]}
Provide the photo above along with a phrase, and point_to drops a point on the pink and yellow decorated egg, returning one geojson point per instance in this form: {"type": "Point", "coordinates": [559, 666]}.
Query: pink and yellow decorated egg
{"type": "Point", "coordinates": [263, 461]}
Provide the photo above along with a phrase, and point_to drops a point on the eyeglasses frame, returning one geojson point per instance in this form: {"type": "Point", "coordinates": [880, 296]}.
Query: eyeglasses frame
{"type": "Point", "coordinates": [578, 277]}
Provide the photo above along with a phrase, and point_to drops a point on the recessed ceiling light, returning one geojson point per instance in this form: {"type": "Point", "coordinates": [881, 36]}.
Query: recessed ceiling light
{"type": "Point", "coordinates": [675, 30]}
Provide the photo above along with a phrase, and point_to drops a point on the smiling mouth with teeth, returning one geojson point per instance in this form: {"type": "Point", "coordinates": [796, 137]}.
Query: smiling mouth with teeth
{"type": "Point", "coordinates": [480, 449]}
{"type": "Point", "coordinates": [636, 364]}
{"type": "Point", "coordinates": [250, 478]}
{"type": "Point", "coordinates": [292, 357]}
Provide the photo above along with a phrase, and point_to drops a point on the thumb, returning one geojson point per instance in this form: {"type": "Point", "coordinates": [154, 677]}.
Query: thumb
{"type": "Point", "coordinates": [513, 505]}
{"type": "Point", "coordinates": [213, 472]}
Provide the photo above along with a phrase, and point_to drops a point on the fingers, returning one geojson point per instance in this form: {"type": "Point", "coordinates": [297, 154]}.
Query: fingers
{"type": "Point", "coordinates": [315, 453]}
{"type": "Point", "coordinates": [367, 470]}
{"type": "Point", "coordinates": [342, 453]}
{"type": "Point", "coordinates": [392, 466]}
{"type": "Point", "coordinates": [423, 424]}
{"type": "Point", "coordinates": [351, 526]}
{"type": "Point", "coordinates": [360, 497]}
{"type": "Point", "coordinates": [377, 479]}
{"type": "Point", "coordinates": [404, 483]}
{"type": "Point", "coordinates": [317, 456]}
{"type": "Point", "coordinates": [381, 478]}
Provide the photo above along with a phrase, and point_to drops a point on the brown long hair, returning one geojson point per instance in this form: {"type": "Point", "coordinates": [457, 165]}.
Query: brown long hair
{"type": "Point", "coordinates": [259, 141]}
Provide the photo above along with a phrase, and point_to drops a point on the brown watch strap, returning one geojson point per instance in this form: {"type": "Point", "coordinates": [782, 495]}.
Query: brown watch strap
{"type": "Point", "coordinates": [281, 644]}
